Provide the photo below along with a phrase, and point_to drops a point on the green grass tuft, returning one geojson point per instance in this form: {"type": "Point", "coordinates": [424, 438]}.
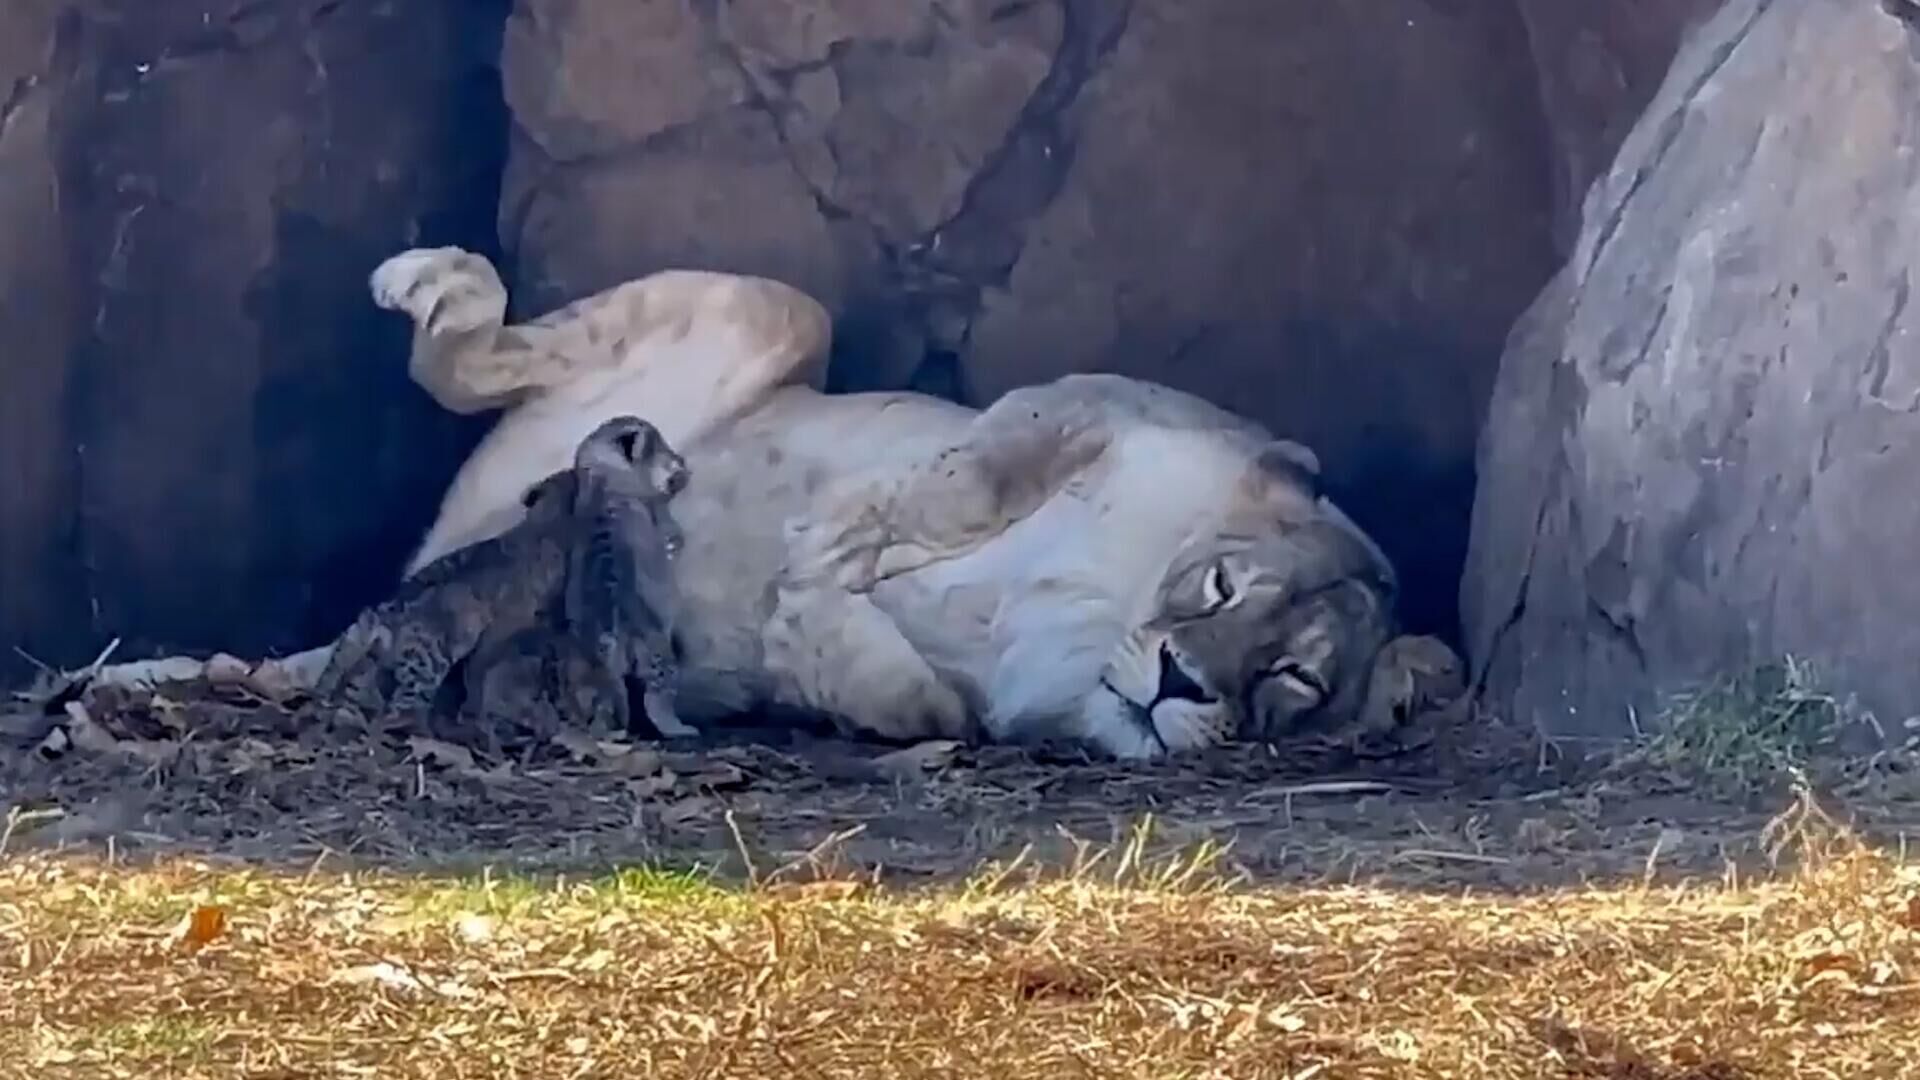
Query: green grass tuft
{"type": "Point", "coordinates": [1751, 730]}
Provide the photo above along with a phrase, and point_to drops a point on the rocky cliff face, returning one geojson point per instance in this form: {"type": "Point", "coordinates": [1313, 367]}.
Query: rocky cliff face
{"type": "Point", "coordinates": [1704, 438]}
{"type": "Point", "coordinates": [207, 433]}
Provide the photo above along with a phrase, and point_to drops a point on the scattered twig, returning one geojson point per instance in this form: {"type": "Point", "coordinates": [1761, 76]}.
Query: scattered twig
{"type": "Point", "coordinates": [100, 661]}
{"type": "Point", "coordinates": [740, 842]}
{"type": "Point", "coordinates": [17, 817]}
{"type": "Point", "coordinates": [811, 857]}
{"type": "Point", "coordinates": [1451, 856]}
{"type": "Point", "coordinates": [1324, 787]}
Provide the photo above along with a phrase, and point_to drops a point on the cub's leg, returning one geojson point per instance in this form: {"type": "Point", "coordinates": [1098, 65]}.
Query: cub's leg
{"type": "Point", "coordinates": [351, 677]}
{"type": "Point", "coordinates": [453, 621]}
{"type": "Point", "coordinates": [656, 665]}
{"type": "Point", "coordinates": [505, 693]}
{"type": "Point", "coordinates": [420, 659]}
{"type": "Point", "coordinates": [835, 653]}
{"type": "Point", "coordinates": [610, 654]}
{"type": "Point", "coordinates": [655, 661]}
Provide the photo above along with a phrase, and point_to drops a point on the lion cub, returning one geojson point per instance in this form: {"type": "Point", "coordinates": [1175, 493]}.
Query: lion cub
{"type": "Point", "coordinates": [590, 566]}
{"type": "Point", "coordinates": [619, 594]}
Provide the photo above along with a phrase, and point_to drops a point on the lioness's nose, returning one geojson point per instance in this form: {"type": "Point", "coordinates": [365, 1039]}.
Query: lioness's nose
{"type": "Point", "coordinates": [1175, 683]}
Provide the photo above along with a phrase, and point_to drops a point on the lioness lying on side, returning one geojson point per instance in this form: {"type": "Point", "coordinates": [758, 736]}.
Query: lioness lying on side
{"type": "Point", "coordinates": [1097, 559]}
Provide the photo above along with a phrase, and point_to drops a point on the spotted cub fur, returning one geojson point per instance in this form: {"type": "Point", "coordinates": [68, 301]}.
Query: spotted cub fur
{"type": "Point", "coordinates": [584, 576]}
{"type": "Point", "coordinates": [619, 593]}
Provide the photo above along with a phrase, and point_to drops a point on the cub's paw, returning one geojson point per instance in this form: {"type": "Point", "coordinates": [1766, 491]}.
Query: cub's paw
{"type": "Point", "coordinates": [446, 290]}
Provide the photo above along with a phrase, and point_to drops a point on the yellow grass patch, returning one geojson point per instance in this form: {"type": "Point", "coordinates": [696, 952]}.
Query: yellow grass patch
{"type": "Point", "coordinates": [185, 970]}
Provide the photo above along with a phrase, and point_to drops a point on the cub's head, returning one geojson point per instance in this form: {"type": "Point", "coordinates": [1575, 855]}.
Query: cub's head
{"type": "Point", "coordinates": [630, 443]}
{"type": "Point", "coordinates": [1268, 625]}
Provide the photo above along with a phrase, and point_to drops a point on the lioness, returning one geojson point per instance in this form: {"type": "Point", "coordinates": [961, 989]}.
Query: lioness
{"type": "Point", "coordinates": [1097, 559]}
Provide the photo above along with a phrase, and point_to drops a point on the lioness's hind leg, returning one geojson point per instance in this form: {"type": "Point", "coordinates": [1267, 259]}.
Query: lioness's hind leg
{"type": "Point", "coordinates": [463, 354]}
{"type": "Point", "coordinates": [445, 290]}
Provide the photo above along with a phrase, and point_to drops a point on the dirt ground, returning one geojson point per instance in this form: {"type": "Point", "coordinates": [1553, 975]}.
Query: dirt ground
{"type": "Point", "coordinates": [216, 771]}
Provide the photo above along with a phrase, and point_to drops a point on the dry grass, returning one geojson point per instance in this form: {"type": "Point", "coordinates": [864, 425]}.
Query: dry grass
{"type": "Point", "coordinates": [1117, 968]}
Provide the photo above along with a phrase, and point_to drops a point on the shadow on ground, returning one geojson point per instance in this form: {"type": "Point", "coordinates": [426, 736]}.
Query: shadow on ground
{"type": "Point", "coordinates": [214, 772]}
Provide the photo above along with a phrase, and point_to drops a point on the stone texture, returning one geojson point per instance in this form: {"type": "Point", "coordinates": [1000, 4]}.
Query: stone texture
{"type": "Point", "coordinates": [1599, 63]}
{"type": "Point", "coordinates": [209, 436]}
{"type": "Point", "coordinates": [1324, 215]}
{"type": "Point", "coordinates": [38, 563]}
{"type": "Point", "coordinates": [1703, 442]}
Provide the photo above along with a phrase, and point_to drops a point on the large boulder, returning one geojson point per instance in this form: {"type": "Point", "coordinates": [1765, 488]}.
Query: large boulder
{"type": "Point", "coordinates": [1322, 215]}
{"type": "Point", "coordinates": [207, 435]}
{"type": "Point", "coordinates": [1704, 441]}
{"type": "Point", "coordinates": [1599, 63]}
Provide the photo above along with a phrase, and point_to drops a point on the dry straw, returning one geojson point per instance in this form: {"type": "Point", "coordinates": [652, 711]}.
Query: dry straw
{"type": "Point", "coordinates": [1124, 965]}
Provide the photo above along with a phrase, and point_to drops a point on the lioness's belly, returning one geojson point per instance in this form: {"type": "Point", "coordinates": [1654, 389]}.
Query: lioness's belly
{"type": "Point", "coordinates": [747, 480]}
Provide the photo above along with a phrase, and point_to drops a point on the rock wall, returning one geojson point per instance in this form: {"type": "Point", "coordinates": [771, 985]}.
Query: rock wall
{"type": "Point", "coordinates": [36, 469]}
{"type": "Point", "coordinates": [1599, 63]}
{"type": "Point", "coordinates": [1704, 438]}
{"type": "Point", "coordinates": [1324, 215]}
{"type": "Point", "coordinates": [208, 437]}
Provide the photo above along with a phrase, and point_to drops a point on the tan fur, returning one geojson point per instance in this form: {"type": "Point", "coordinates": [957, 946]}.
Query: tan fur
{"type": "Point", "coordinates": [1411, 678]}
{"type": "Point", "coordinates": [686, 350]}
{"type": "Point", "coordinates": [912, 567]}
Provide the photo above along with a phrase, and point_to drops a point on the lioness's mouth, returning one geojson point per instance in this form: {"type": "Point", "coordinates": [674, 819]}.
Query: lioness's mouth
{"type": "Point", "coordinates": [1142, 715]}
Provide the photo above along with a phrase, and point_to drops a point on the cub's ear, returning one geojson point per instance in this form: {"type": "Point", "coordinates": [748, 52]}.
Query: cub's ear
{"type": "Point", "coordinates": [1411, 678]}
{"type": "Point", "coordinates": [553, 492]}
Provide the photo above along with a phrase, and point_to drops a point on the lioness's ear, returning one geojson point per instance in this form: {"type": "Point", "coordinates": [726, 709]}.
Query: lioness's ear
{"type": "Point", "coordinates": [1284, 477]}
{"type": "Point", "coordinates": [1284, 459]}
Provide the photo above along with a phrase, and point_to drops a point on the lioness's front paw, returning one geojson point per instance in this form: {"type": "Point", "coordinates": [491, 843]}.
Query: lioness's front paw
{"type": "Point", "coordinates": [446, 290]}
{"type": "Point", "coordinates": [909, 708]}
{"type": "Point", "coordinates": [841, 553]}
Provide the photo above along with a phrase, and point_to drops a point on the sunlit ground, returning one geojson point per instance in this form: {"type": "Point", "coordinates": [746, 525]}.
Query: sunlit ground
{"type": "Point", "coordinates": [1119, 967]}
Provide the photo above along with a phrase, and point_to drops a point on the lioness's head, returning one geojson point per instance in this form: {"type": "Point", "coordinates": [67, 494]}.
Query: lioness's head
{"type": "Point", "coordinates": [1267, 625]}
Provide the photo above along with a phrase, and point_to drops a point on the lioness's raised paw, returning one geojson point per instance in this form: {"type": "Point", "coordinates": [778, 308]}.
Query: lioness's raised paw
{"type": "Point", "coordinates": [446, 290]}
{"type": "Point", "coordinates": [840, 550]}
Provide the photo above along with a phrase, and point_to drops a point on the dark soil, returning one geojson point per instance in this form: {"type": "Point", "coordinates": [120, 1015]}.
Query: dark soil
{"type": "Point", "coordinates": [221, 773]}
